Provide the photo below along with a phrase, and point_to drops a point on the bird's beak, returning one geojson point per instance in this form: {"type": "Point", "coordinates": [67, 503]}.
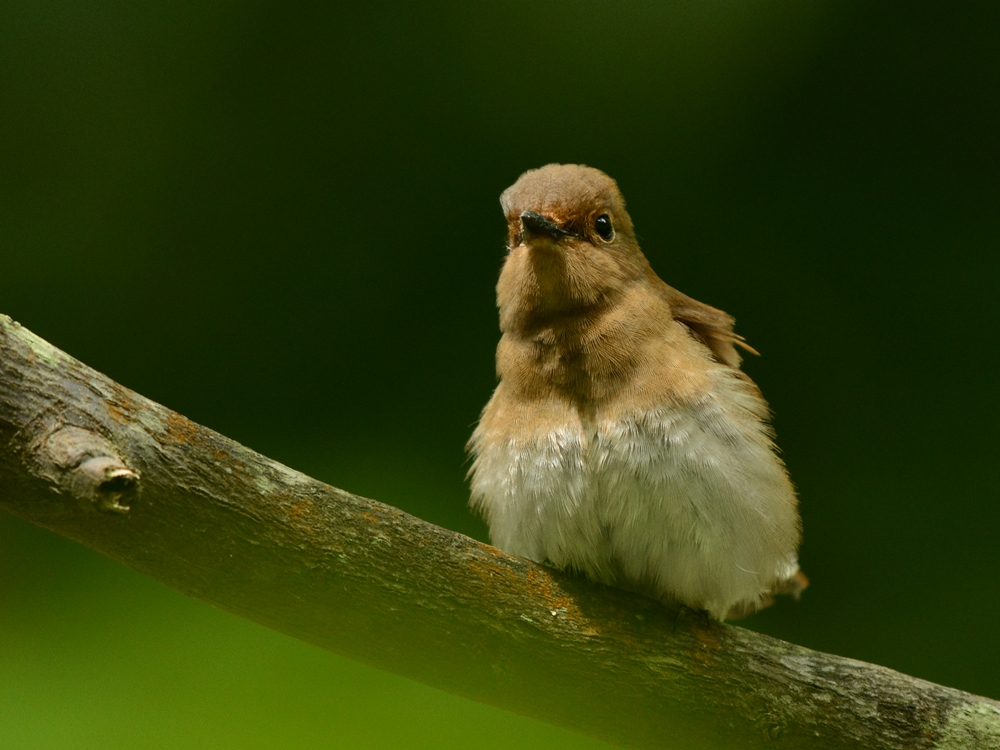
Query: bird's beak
{"type": "Point", "coordinates": [536, 224]}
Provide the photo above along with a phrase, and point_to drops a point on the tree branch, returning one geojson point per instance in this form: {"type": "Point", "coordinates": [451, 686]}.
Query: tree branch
{"type": "Point", "coordinates": [98, 463]}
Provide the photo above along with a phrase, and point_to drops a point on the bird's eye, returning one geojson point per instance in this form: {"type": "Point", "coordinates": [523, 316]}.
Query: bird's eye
{"type": "Point", "coordinates": [602, 225]}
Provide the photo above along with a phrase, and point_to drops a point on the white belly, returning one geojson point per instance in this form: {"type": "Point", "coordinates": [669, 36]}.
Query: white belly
{"type": "Point", "coordinates": [689, 503]}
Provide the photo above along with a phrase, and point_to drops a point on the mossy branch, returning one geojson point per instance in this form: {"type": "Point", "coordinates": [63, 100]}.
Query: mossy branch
{"type": "Point", "coordinates": [98, 463]}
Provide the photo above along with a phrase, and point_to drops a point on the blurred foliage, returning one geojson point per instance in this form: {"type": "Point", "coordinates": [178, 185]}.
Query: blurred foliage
{"type": "Point", "coordinates": [281, 220]}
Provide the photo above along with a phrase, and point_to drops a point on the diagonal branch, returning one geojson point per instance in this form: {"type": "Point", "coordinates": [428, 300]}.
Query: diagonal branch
{"type": "Point", "coordinates": [96, 462]}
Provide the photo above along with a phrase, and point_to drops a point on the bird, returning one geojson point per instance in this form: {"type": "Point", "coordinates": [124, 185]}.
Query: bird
{"type": "Point", "coordinates": [623, 441]}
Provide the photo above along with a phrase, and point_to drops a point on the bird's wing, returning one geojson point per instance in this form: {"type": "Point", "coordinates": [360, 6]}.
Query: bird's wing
{"type": "Point", "coordinates": [711, 326]}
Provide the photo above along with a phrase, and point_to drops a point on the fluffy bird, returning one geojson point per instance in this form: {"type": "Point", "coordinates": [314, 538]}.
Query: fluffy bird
{"type": "Point", "coordinates": [623, 440]}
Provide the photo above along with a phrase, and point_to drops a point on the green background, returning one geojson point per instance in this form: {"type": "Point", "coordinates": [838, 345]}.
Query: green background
{"type": "Point", "coordinates": [281, 220]}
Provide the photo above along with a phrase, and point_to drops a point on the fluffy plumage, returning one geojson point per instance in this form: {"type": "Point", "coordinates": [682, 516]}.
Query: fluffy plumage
{"type": "Point", "coordinates": [622, 439]}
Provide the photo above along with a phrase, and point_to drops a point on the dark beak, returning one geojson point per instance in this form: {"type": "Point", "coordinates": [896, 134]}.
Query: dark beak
{"type": "Point", "coordinates": [536, 224]}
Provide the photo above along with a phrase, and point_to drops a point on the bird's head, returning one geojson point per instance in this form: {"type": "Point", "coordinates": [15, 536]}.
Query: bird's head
{"type": "Point", "coordinates": [571, 245]}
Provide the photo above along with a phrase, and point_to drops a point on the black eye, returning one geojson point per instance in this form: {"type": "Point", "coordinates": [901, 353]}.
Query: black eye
{"type": "Point", "coordinates": [602, 225]}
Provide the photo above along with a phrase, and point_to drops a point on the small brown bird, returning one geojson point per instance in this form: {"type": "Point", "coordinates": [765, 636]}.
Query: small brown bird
{"type": "Point", "coordinates": [623, 440]}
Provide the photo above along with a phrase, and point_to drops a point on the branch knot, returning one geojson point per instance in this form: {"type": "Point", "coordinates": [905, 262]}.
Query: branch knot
{"type": "Point", "coordinates": [86, 466]}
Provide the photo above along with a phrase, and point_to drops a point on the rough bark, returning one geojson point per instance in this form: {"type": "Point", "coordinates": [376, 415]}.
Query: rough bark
{"type": "Point", "coordinates": [98, 463]}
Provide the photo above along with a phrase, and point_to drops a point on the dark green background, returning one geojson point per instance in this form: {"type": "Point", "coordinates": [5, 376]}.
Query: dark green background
{"type": "Point", "coordinates": [281, 220]}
